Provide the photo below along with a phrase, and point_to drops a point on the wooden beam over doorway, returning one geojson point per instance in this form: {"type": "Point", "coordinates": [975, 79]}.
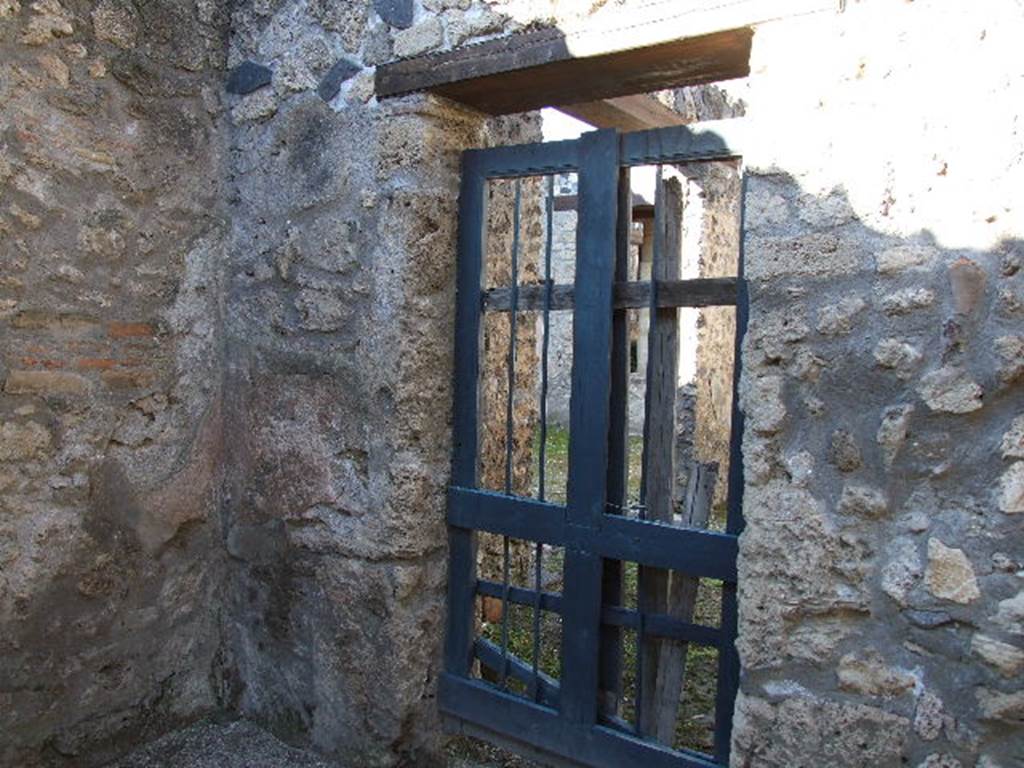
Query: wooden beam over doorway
{"type": "Point", "coordinates": [638, 112]}
{"type": "Point", "coordinates": [536, 69]}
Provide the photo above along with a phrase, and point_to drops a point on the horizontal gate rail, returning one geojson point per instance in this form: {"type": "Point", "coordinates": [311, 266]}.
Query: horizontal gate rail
{"type": "Point", "coordinates": [539, 726]}
{"type": "Point", "coordinates": [692, 551]}
{"type": "Point", "coordinates": [655, 624]}
{"type": "Point", "coordinates": [704, 292]}
{"type": "Point", "coordinates": [717, 140]}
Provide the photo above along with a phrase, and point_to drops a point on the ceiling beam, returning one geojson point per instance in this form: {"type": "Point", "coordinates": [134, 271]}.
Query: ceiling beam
{"type": "Point", "coordinates": [536, 69]}
{"type": "Point", "coordinates": [638, 112]}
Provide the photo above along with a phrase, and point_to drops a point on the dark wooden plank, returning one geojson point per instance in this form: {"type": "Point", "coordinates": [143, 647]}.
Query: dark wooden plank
{"type": "Point", "coordinates": [462, 541]}
{"type": "Point", "coordinates": [699, 553]}
{"type": "Point", "coordinates": [662, 625]}
{"type": "Point", "coordinates": [660, 431]}
{"type": "Point", "coordinates": [517, 160]}
{"type": "Point", "coordinates": [611, 651]}
{"type": "Point", "coordinates": [636, 112]}
{"type": "Point", "coordinates": [682, 601]}
{"type": "Point", "coordinates": [538, 727]}
{"type": "Point", "coordinates": [588, 418]}
{"type": "Point", "coordinates": [491, 656]}
{"type": "Point", "coordinates": [659, 625]}
{"type": "Point", "coordinates": [549, 601]}
{"type": "Point", "coordinates": [535, 69]}
{"type": "Point", "coordinates": [702, 292]}
{"type": "Point", "coordinates": [520, 518]}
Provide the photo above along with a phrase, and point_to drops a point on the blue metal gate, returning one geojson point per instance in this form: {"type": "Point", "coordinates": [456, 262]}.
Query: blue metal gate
{"type": "Point", "coordinates": [565, 719]}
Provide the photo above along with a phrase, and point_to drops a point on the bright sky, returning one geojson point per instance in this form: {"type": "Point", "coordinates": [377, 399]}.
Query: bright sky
{"type": "Point", "coordinates": [558, 126]}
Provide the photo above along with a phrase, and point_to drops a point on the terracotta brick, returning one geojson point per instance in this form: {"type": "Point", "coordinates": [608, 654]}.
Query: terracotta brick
{"type": "Point", "coordinates": [45, 382]}
{"type": "Point", "coordinates": [97, 363]}
{"type": "Point", "coordinates": [130, 330]}
{"type": "Point", "coordinates": [63, 324]}
{"type": "Point", "coordinates": [134, 379]}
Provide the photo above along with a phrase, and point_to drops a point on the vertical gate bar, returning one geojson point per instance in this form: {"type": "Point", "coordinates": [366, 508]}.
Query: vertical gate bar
{"type": "Point", "coordinates": [538, 557]}
{"type": "Point", "coordinates": [462, 541]}
{"type": "Point", "coordinates": [597, 201]}
{"type": "Point", "coordinates": [512, 321]}
{"type": "Point", "coordinates": [509, 425]}
{"type": "Point", "coordinates": [660, 434]}
{"type": "Point", "coordinates": [642, 576]}
{"type": "Point", "coordinates": [728, 657]}
{"type": "Point", "coordinates": [618, 453]}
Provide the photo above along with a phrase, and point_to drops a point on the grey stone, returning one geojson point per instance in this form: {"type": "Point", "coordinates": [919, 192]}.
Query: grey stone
{"type": "Point", "coordinates": [1010, 615]}
{"type": "Point", "coordinates": [870, 675]}
{"type": "Point", "coordinates": [899, 356]}
{"type": "Point", "coordinates": [837, 319]}
{"type": "Point", "coordinates": [940, 760]}
{"type": "Point", "coordinates": [844, 452]}
{"type": "Point", "coordinates": [892, 432]}
{"type": "Point", "coordinates": [238, 744]}
{"type": "Point", "coordinates": [950, 390]}
{"type": "Point", "coordinates": [1011, 489]}
{"type": "Point", "coordinates": [907, 300]}
{"type": "Point", "coordinates": [397, 13]}
{"type": "Point", "coordinates": [997, 705]}
{"type": "Point", "coordinates": [330, 84]}
{"type": "Point", "coordinates": [929, 717]}
{"type": "Point", "coordinates": [909, 257]}
{"type": "Point", "coordinates": [1010, 350]}
{"type": "Point", "coordinates": [903, 569]}
{"type": "Point", "coordinates": [928, 619]}
{"type": "Point", "coordinates": [1008, 659]}
{"type": "Point", "coordinates": [1012, 445]}
{"type": "Point", "coordinates": [248, 77]}
{"type": "Point", "coordinates": [949, 575]}
{"type": "Point", "coordinates": [863, 501]}
{"type": "Point", "coordinates": [426, 36]}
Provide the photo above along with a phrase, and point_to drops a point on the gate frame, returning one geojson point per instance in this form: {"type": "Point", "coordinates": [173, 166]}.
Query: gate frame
{"type": "Point", "coordinates": [573, 733]}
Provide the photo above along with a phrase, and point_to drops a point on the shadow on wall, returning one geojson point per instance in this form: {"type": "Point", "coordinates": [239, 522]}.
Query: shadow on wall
{"type": "Point", "coordinates": [882, 386]}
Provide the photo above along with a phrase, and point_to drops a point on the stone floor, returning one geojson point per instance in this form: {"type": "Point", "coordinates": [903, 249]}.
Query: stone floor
{"type": "Point", "coordinates": [242, 744]}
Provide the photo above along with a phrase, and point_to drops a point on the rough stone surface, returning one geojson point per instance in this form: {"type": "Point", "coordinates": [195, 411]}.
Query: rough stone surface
{"type": "Point", "coordinates": [397, 13]}
{"type": "Point", "coordinates": [892, 432]}
{"type": "Point", "coordinates": [225, 326]}
{"type": "Point", "coordinates": [1011, 489]}
{"type": "Point", "coordinates": [871, 676]}
{"type": "Point", "coordinates": [342, 70]}
{"type": "Point", "coordinates": [426, 36]}
{"type": "Point", "coordinates": [112, 227]}
{"type": "Point", "coordinates": [1010, 614]}
{"type": "Point", "coordinates": [782, 733]}
{"type": "Point", "coordinates": [248, 77]}
{"type": "Point", "coordinates": [208, 745]}
{"type": "Point", "coordinates": [949, 575]}
{"type": "Point", "coordinates": [950, 390]}
{"type": "Point", "coordinates": [899, 356]}
{"type": "Point", "coordinates": [1008, 659]}
{"type": "Point", "coordinates": [1012, 445]}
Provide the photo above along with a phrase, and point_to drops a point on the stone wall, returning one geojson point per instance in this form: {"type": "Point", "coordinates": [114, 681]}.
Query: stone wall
{"type": "Point", "coordinates": [339, 321]}
{"type": "Point", "coordinates": [880, 586]}
{"type": "Point", "coordinates": [111, 231]}
{"type": "Point", "coordinates": [226, 322]}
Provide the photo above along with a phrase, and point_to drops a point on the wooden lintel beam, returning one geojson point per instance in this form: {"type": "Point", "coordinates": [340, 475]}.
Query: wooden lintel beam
{"type": "Point", "coordinates": [537, 69]}
{"type": "Point", "coordinates": [637, 112]}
